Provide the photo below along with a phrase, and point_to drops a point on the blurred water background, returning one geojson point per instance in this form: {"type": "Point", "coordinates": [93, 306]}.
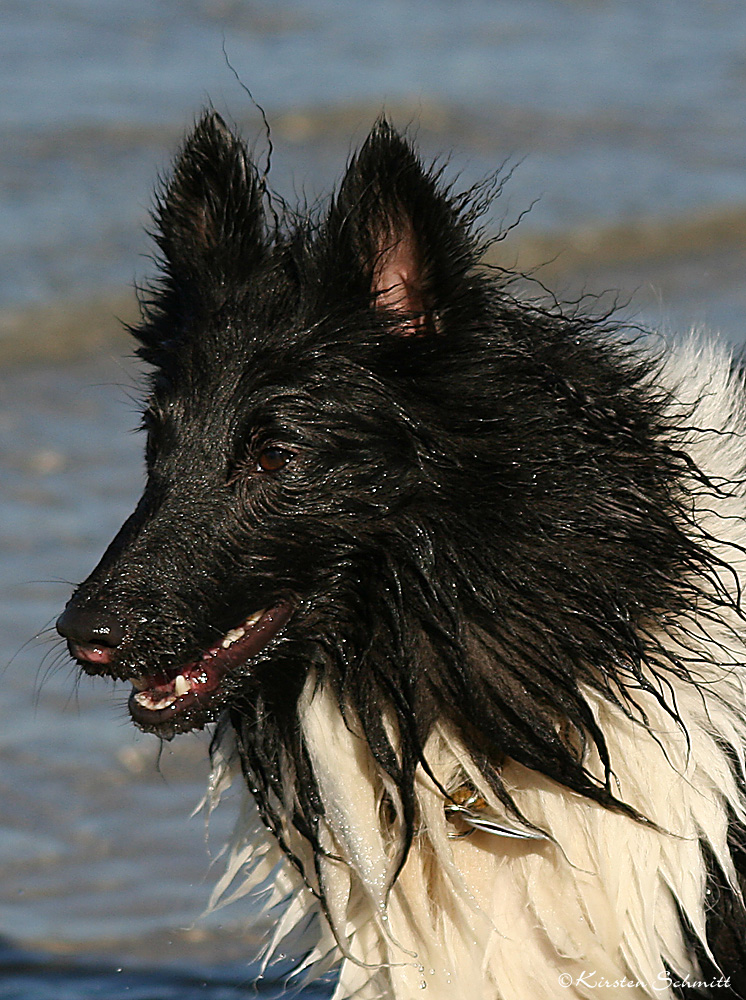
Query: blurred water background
{"type": "Point", "coordinates": [625, 121]}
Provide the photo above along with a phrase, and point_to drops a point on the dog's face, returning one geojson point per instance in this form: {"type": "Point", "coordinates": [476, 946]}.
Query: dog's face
{"type": "Point", "coordinates": [285, 466]}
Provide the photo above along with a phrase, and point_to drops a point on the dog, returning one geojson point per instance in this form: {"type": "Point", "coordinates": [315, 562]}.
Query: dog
{"type": "Point", "coordinates": [457, 577]}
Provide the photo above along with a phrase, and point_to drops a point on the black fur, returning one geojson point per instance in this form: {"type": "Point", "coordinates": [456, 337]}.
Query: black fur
{"type": "Point", "coordinates": [474, 505]}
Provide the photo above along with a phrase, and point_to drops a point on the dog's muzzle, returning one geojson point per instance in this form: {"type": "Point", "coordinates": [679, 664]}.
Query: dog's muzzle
{"type": "Point", "coordinates": [173, 699]}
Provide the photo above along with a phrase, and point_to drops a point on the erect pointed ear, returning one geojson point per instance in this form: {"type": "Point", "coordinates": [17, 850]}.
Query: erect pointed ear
{"type": "Point", "coordinates": [398, 235]}
{"type": "Point", "coordinates": [210, 221]}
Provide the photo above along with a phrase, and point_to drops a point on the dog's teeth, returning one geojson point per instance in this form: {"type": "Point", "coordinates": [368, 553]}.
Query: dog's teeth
{"type": "Point", "coordinates": [164, 702]}
{"type": "Point", "coordinates": [181, 685]}
{"type": "Point", "coordinates": [146, 699]}
{"type": "Point", "coordinates": [238, 633]}
{"type": "Point", "coordinates": [230, 637]}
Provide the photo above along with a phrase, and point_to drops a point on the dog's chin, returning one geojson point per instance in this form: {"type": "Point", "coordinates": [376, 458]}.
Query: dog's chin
{"type": "Point", "coordinates": [188, 696]}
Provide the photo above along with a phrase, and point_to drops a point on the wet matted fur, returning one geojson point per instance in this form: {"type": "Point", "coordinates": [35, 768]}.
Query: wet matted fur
{"type": "Point", "coordinates": [458, 578]}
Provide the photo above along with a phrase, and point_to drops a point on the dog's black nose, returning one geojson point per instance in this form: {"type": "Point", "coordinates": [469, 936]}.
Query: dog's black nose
{"type": "Point", "coordinates": [86, 627]}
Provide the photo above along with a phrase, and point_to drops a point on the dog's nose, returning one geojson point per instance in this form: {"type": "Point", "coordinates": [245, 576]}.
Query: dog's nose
{"type": "Point", "coordinates": [92, 635]}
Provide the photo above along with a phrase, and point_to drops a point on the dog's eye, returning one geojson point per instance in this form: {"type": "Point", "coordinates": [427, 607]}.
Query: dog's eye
{"type": "Point", "coordinates": [273, 459]}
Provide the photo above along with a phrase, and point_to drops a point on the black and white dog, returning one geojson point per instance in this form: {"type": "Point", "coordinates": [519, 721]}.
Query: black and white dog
{"type": "Point", "coordinates": [457, 576]}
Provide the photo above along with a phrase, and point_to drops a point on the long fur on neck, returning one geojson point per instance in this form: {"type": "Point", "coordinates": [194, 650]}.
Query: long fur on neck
{"type": "Point", "coordinates": [614, 895]}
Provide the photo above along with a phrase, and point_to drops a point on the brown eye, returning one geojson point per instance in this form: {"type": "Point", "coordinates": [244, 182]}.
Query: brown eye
{"type": "Point", "coordinates": [273, 459]}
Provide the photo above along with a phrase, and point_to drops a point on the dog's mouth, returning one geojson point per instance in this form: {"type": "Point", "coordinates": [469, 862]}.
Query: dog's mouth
{"type": "Point", "coordinates": [177, 699]}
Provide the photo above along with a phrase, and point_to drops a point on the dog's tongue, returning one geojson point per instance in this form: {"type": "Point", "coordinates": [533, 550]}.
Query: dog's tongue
{"type": "Point", "coordinates": [159, 696]}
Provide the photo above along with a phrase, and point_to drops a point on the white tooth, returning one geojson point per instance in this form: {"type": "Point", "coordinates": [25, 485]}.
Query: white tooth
{"type": "Point", "coordinates": [230, 637]}
{"type": "Point", "coordinates": [149, 700]}
{"type": "Point", "coordinates": [255, 617]}
{"type": "Point", "coordinates": [181, 685]}
{"type": "Point", "coordinates": [163, 702]}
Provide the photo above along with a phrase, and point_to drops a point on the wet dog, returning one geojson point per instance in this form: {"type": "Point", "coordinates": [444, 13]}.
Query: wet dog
{"type": "Point", "coordinates": [457, 576]}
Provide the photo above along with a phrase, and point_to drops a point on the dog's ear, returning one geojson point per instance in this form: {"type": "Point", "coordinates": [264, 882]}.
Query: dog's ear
{"type": "Point", "coordinates": [398, 227]}
{"type": "Point", "coordinates": [210, 221]}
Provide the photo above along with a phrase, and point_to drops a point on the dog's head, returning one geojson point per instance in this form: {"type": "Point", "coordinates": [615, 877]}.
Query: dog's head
{"type": "Point", "coordinates": [292, 432]}
{"type": "Point", "coordinates": [365, 459]}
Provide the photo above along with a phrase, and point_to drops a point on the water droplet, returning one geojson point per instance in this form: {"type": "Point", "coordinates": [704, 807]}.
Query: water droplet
{"type": "Point", "coordinates": [423, 985]}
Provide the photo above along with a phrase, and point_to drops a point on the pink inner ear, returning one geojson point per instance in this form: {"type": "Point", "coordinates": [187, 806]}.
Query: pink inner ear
{"type": "Point", "coordinates": [397, 282]}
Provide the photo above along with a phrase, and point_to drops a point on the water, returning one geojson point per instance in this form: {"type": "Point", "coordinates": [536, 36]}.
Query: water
{"type": "Point", "coordinates": [28, 976]}
{"type": "Point", "coordinates": [626, 118]}
{"type": "Point", "coordinates": [618, 110]}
